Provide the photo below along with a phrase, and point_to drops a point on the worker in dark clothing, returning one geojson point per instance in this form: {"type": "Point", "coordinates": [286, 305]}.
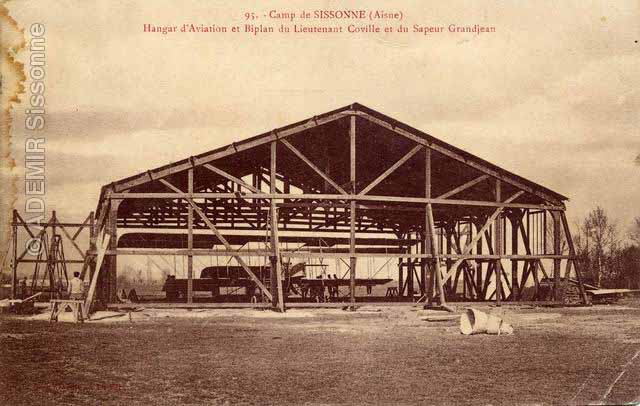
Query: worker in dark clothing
{"type": "Point", "coordinates": [170, 288]}
{"type": "Point", "coordinates": [23, 288]}
{"type": "Point", "coordinates": [319, 290]}
{"type": "Point", "coordinates": [336, 290]}
{"type": "Point", "coordinates": [133, 296]}
{"type": "Point", "coordinates": [330, 287]}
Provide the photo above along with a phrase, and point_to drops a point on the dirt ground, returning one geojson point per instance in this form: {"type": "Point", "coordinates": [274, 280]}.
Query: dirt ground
{"type": "Point", "coordinates": [382, 355]}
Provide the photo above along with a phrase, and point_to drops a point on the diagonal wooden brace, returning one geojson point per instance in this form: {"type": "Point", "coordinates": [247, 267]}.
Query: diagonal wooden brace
{"type": "Point", "coordinates": [313, 166]}
{"type": "Point", "coordinates": [474, 240]}
{"type": "Point", "coordinates": [220, 237]}
{"type": "Point", "coordinates": [391, 169]}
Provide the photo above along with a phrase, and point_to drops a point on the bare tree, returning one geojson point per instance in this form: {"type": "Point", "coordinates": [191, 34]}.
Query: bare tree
{"type": "Point", "coordinates": [601, 238]}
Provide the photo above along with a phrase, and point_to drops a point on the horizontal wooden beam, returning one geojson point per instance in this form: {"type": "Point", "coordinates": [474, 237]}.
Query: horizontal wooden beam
{"type": "Point", "coordinates": [318, 254]}
{"type": "Point", "coordinates": [44, 261]}
{"type": "Point", "coordinates": [300, 305]}
{"type": "Point", "coordinates": [328, 197]}
{"type": "Point", "coordinates": [49, 224]}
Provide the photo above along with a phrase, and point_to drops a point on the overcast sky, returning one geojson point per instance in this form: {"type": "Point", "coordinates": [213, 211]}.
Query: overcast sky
{"type": "Point", "coordinates": [553, 95]}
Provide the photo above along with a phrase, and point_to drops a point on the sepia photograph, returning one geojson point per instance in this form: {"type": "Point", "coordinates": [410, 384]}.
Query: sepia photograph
{"type": "Point", "coordinates": [319, 202]}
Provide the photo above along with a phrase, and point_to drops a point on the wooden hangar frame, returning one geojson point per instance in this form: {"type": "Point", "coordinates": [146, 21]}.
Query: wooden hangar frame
{"type": "Point", "coordinates": [461, 228]}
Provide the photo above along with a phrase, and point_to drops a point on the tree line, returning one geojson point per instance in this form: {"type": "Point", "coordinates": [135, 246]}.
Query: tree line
{"type": "Point", "coordinates": [609, 254]}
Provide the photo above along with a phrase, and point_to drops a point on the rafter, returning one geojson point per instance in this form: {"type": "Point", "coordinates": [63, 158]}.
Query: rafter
{"type": "Point", "coordinates": [228, 150]}
{"type": "Point", "coordinates": [313, 166]}
{"type": "Point", "coordinates": [463, 187]}
{"type": "Point", "coordinates": [391, 169]}
{"type": "Point", "coordinates": [230, 177]}
{"type": "Point", "coordinates": [458, 157]}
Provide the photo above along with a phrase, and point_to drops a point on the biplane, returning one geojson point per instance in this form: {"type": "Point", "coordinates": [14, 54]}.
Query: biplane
{"type": "Point", "coordinates": [294, 278]}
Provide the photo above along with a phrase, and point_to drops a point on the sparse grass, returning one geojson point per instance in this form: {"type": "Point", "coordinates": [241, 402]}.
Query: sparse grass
{"type": "Point", "coordinates": [391, 357]}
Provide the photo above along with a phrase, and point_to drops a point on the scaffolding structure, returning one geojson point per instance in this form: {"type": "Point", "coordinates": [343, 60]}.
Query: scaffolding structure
{"type": "Point", "coordinates": [343, 186]}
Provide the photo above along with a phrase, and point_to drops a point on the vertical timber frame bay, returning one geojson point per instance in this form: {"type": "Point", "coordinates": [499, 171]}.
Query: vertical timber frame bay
{"type": "Point", "coordinates": [437, 230]}
{"type": "Point", "coordinates": [276, 262]}
{"type": "Point", "coordinates": [352, 208]}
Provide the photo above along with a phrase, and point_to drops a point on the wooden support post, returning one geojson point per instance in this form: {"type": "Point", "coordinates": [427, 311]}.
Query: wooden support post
{"type": "Point", "coordinates": [429, 231]}
{"type": "Point", "coordinates": [514, 221]}
{"type": "Point", "coordinates": [572, 252]}
{"type": "Point", "coordinates": [430, 285]}
{"type": "Point", "coordinates": [273, 269]}
{"type": "Point", "coordinates": [423, 266]}
{"type": "Point", "coordinates": [557, 294]}
{"type": "Point", "coordinates": [14, 263]}
{"type": "Point", "coordinates": [401, 275]}
{"type": "Point", "coordinates": [448, 261]}
{"type": "Point", "coordinates": [111, 277]}
{"type": "Point", "coordinates": [273, 274]}
{"type": "Point", "coordinates": [498, 244]}
{"type": "Point", "coordinates": [434, 252]}
{"type": "Point", "coordinates": [275, 242]}
{"type": "Point", "coordinates": [352, 231]}
{"type": "Point", "coordinates": [352, 259]}
{"type": "Point", "coordinates": [277, 301]}
{"type": "Point", "coordinates": [190, 239]}
{"type": "Point", "coordinates": [51, 259]}
{"type": "Point", "coordinates": [273, 285]}
{"type": "Point", "coordinates": [479, 265]}
{"type": "Point", "coordinates": [89, 259]}
{"type": "Point", "coordinates": [352, 153]}
{"type": "Point", "coordinates": [410, 279]}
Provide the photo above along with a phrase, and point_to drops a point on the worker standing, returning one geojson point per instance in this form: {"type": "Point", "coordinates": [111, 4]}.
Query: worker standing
{"type": "Point", "coordinates": [76, 287]}
{"type": "Point", "coordinates": [23, 288]}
